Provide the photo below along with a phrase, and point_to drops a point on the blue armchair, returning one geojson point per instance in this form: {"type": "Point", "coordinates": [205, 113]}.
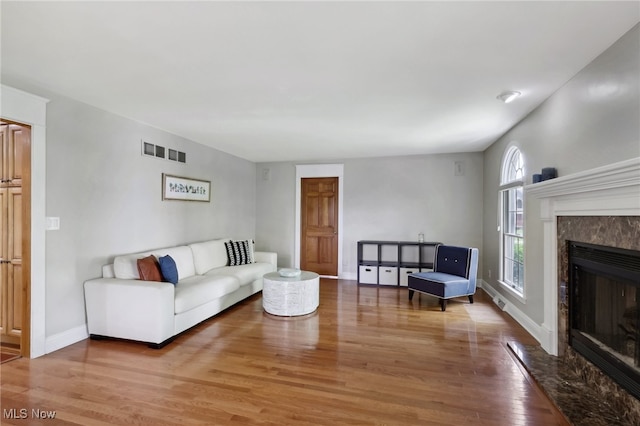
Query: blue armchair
{"type": "Point", "coordinates": [454, 275]}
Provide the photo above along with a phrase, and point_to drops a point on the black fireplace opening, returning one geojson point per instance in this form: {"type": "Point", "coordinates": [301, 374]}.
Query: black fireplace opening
{"type": "Point", "coordinates": [604, 317]}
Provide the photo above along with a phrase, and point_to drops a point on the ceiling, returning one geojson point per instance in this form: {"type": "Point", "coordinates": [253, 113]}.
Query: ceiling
{"type": "Point", "coordinates": [298, 81]}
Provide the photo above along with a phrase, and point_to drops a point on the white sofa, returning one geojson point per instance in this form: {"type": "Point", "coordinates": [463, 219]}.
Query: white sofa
{"type": "Point", "coordinates": [121, 305]}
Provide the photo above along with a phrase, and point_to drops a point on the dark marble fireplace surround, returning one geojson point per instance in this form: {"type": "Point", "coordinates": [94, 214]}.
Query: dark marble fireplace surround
{"type": "Point", "coordinates": [613, 231]}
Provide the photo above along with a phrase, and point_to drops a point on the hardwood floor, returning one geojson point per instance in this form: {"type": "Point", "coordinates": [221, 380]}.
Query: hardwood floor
{"type": "Point", "coordinates": [367, 356]}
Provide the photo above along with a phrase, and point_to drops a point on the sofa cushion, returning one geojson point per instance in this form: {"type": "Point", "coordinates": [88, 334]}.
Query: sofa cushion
{"type": "Point", "coordinates": [209, 254]}
{"type": "Point", "coordinates": [239, 252]}
{"type": "Point", "coordinates": [246, 274]}
{"type": "Point", "coordinates": [200, 289]}
{"type": "Point", "coordinates": [149, 269]}
{"type": "Point", "coordinates": [169, 269]}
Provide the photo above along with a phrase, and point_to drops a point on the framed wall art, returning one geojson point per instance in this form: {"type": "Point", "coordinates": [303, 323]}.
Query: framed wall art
{"type": "Point", "coordinates": [185, 189]}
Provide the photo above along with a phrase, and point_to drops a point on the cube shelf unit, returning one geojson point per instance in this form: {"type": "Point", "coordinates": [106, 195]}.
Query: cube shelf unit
{"type": "Point", "coordinates": [391, 262]}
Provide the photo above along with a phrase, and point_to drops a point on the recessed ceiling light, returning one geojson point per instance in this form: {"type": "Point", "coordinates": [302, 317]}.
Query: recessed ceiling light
{"type": "Point", "coordinates": [508, 96]}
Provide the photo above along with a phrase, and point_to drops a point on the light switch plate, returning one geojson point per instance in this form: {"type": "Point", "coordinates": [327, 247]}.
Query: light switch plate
{"type": "Point", "coordinates": [53, 223]}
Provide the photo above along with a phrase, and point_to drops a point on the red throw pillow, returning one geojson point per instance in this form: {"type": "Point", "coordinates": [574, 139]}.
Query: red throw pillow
{"type": "Point", "coordinates": [149, 269]}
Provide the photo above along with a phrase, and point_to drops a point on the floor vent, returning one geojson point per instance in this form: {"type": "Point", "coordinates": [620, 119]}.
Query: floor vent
{"type": "Point", "coordinates": [501, 304]}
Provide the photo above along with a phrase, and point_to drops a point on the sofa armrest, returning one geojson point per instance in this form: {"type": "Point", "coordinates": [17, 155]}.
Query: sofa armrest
{"type": "Point", "coordinates": [266, 257]}
{"type": "Point", "coordinates": [130, 309]}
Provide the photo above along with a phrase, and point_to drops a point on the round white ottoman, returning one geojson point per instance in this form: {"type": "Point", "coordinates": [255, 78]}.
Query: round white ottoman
{"type": "Point", "coordinates": [290, 296]}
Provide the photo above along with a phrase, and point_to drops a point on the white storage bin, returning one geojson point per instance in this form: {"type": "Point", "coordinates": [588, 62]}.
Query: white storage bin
{"type": "Point", "coordinates": [404, 275]}
{"type": "Point", "coordinates": [368, 274]}
{"type": "Point", "coordinates": [388, 275]}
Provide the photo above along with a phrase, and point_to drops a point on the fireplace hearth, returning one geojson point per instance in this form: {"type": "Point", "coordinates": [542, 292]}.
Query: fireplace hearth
{"type": "Point", "coordinates": [604, 283]}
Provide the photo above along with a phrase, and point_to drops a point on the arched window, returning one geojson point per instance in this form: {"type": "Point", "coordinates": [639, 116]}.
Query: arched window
{"type": "Point", "coordinates": [512, 221]}
{"type": "Point", "coordinates": [512, 167]}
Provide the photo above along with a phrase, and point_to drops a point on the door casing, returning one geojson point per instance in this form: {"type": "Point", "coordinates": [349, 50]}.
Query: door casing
{"type": "Point", "coordinates": [31, 110]}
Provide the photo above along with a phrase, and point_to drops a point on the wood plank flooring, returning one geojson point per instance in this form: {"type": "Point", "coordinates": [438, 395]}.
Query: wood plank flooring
{"type": "Point", "coordinates": [367, 356]}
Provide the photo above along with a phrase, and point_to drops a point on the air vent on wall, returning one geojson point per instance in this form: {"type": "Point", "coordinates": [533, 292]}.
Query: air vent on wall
{"type": "Point", "coordinates": [148, 148]}
{"type": "Point", "coordinates": [501, 304]}
{"type": "Point", "coordinates": [158, 151]}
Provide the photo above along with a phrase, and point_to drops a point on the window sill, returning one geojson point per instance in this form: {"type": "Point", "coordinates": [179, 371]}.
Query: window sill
{"type": "Point", "coordinates": [519, 296]}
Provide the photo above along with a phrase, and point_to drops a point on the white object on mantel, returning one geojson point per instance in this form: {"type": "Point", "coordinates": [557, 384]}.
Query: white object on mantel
{"type": "Point", "coordinates": [611, 190]}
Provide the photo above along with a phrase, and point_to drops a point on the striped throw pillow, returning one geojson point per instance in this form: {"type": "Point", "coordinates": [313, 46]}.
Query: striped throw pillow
{"type": "Point", "coordinates": [239, 252]}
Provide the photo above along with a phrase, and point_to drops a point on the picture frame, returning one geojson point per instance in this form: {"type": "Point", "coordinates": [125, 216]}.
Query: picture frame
{"type": "Point", "coordinates": [185, 189]}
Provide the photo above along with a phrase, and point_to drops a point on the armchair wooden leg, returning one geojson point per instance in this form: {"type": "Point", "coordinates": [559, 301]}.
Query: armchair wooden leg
{"type": "Point", "coordinates": [443, 304]}
{"type": "Point", "coordinates": [471, 298]}
{"type": "Point", "coordinates": [410, 294]}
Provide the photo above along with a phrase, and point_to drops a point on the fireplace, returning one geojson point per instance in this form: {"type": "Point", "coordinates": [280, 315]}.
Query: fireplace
{"type": "Point", "coordinates": [601, 207]}
{"type": "Point", "coordinates": [603, 310]}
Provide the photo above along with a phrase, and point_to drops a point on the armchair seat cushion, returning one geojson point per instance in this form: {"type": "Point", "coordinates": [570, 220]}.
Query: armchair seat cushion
{"type": "Point", "coordinates": [439, 284]}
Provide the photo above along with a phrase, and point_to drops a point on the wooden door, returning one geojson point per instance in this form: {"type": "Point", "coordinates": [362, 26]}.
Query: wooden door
{"type": "Point", "coordinates": [319, 222]}
{"type": "Point", "coordinates": [14, 233]}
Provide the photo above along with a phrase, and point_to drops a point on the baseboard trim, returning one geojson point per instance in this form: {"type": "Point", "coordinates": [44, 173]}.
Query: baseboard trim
{"type": "Point", "coordinates": [536, 330]}
{"type": "Point", "coordinates": [349, 276]}
{"type": "Point", "coordinates": [66, 338]}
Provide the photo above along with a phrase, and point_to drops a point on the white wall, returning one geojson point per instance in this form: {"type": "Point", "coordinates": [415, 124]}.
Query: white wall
{"type": "Point", "coordinates": [592, 121]}
{"type": "Point", "coordinates": [391, 198]}
{"type": "Point", "coordinates": [108, 198]}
